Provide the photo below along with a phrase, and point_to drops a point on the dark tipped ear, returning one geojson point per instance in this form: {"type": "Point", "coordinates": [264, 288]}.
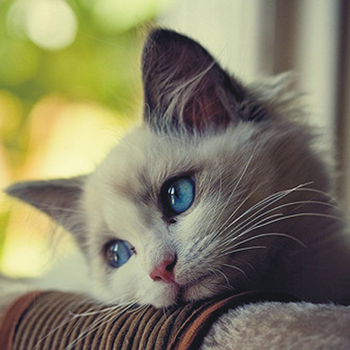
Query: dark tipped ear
{"type": "Point", "coordinates": [183, 85]}
{"type": "Point", "coordinates": [59, 198]}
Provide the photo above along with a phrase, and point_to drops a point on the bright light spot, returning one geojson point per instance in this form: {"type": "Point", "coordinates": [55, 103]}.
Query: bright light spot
{"type": "Point", "coordinates": [34, 244]}
{"type": "Point", "coordinates": [16, 17]}
{"type": "Point", "coordinates": [70, 138]}
{"type": "Point", "coordinates": [118, 15]}
{"type": "Point", "coordinates": [26, 251]}
{"type": "Point", "coordinates": [52, 25]}
{"type": "Point", "coordinates": [11, 110]}
{"type": "Point", "coordinates": [4, 172]}
{"type": "Point", "coordinates": [13, 263]}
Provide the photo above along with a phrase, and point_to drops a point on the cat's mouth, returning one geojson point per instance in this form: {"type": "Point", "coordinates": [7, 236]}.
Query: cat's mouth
{"type": "Point", "coordinates": [193, 291]}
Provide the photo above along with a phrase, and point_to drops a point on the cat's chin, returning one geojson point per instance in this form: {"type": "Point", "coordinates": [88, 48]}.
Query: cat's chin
{"type": "Point", "coordinates": [195, 292]}
{"type": "Point", "coordinates": [177, 294]}
{"type": "Point", "coordinates": [168, 296]}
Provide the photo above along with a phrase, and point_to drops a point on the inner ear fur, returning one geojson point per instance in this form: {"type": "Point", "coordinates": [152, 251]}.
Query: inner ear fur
{"type": "Point", "coordinates": [185, 86]}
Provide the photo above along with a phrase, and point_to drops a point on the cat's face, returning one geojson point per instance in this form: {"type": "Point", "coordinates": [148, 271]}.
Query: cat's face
{"type": "Point", "coordinates": [125, 200]}
{"type": "Point", "coordinates": [231, 172]}
{"type": "Point", "coordinates": [169, 214]}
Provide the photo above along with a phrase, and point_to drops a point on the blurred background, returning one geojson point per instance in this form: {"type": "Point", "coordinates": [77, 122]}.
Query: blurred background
{"type": "Point", "coordinates": [70, 86]}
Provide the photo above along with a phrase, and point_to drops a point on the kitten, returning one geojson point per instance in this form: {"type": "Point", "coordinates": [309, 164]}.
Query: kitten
{"type": "Point", "coordinates": [219, 191]}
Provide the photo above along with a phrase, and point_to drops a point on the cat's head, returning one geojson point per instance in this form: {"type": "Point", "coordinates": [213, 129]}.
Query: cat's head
{"type": "Point", "coordinates": [175, 210]}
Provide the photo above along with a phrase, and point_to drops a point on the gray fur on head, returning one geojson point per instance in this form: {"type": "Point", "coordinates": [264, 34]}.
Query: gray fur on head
{"type": "Point", "coordinates": [262, 217]}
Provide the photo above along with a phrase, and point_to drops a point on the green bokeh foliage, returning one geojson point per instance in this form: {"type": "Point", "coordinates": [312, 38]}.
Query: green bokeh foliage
{"type": "Point", "coordinates": [99, 66]}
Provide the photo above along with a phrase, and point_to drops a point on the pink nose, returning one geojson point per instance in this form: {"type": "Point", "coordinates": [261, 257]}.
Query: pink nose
{"type": "Point", "coordinates": [164, 271]}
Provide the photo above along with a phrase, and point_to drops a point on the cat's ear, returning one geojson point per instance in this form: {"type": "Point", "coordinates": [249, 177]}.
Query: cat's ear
{"type": "Point", "coordinates": [184, 85]}
{"type": "Point", "coordinates": [59, 198]}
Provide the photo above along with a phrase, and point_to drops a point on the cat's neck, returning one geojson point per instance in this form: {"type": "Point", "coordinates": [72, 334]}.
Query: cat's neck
{"type": "Point", "coordinates": [319, 272]}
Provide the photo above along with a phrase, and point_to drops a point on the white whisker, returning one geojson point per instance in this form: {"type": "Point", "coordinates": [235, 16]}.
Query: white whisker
{"type": "Point", "coordinates": [268, 201]}
{"type": "Point", "coordinates": [329, 216]}
{"type": "Point", "coordinates": [238, 269]}
{"type": "Point", "coordinates": [98, 323]}
{"type": "Point", "coordinates": [274, 234]}
{"type": "Point", "coordinates": [237, 229]}
{"type": "Point", "coordinates": [243, 249]}
{"type": "Point", "coordinates": [233, 192]}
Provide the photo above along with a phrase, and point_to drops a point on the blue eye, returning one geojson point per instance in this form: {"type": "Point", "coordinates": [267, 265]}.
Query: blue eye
{"type": "Point", "coordinates": [178, 195]}
{"type": "Point", "coordinates": [118, 252]}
